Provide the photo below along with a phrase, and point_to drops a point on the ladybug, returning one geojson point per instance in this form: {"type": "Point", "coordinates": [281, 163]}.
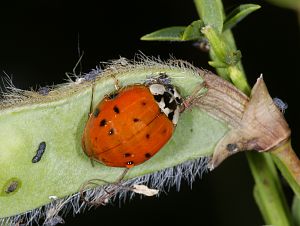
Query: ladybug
{"type": "Point", "coordinates": [132, 124]}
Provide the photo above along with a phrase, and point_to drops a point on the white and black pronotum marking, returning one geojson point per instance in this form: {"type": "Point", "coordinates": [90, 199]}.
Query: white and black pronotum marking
{"type": "Point", "coordinates": [166, 96]}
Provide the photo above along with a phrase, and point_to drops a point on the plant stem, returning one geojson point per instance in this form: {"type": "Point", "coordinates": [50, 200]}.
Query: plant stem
{"type": "Point", "coordinates": [289, 165]}
{"type": "Point", "coordinates": [268, 192]}
{"type": "Point", "coordinates": [238, 78]}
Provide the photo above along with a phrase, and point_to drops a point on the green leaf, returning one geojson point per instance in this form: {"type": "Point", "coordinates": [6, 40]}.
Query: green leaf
{"type": "Point", "coordinates": [238, 14]}
{"type": "Point", "coordinates": [59, 119]}
{"type": "Point", "coordinates": [177, 33]}
{"type": "Point", "coordinates": [211, 12]}
{"type": "Point", "coordinates": [217, 64]}
{"type": "Point", "coordinates": [193, 31]}
{"type": "Point", "coordinates": [166, 34]}
{"type": "Point", "coordinates": [296, 210]}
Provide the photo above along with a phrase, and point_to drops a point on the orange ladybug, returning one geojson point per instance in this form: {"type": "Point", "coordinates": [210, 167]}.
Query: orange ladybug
{"type": "Point", "coordinates": [131, 125]}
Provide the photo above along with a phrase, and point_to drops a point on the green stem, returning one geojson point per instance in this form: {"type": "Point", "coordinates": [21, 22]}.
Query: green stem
{"type": "Point", "coordinates": [236, 75]}
{"type": "Point", "coordinates": [289, 165]}
{"type": "Point", "coordinates": [268, 192]}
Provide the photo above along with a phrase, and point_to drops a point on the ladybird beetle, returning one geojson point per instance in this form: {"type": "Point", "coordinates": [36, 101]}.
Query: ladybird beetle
{"type": "Point", "coordinates": [131, 125]}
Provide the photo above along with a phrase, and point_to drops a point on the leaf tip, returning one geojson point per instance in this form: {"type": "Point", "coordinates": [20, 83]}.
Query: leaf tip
{"type": "Point", "coordinates": [146, 37]}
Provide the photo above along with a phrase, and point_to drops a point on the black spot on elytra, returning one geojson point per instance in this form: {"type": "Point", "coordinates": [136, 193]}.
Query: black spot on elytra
{"type": "Point", "coordinates": [147, 135]}
{"type": "Point", "coordinates": [164, 131]}
{"type": "Point", "coordinates": [136, 120]}
{"type": "Point", "coordinates": [129, 163]}
{"type": "Point", "coordinates": [171, 115]}
{"type": "Point", "coordinates": [111, 132]}
{"type": "Point", "coordinates": [127, 155]}
{"type": "Point", "coordinates": [116, 109]}
{"type": "Point", "coordinates": [96, 112]}
{"type": "Point", "coordinates": [148, 155]}
{"type": "Point", "coordinates": [143, 103]}
{"type": "Point", "coordinates": [102, 122]}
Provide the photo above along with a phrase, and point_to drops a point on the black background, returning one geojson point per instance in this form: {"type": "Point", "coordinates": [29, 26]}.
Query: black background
{"type": "Point", "coordinates": [39, 42]}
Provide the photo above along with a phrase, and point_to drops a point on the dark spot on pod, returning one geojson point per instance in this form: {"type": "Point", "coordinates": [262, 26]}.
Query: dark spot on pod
{"type": "Point", "coordinates": [116, 109]}
{"type": "Point", "coordinates": [143, 103]}
{"type": "Point", "coordinates": [136, 120]}
{"type": "Point", "coordinates": [191, 130]}
{"type": "Point", "coordinates": [11, 187]}
{"type": "Point", "coordinates": [147, 135]}
{"type": "Point", "coordinates": [127, 155]}
{"type": "Point", "coordinates": [113, 95]}
{"type": "Point", "coordinates": [158, 97]}
{"type": "Point", "coordinates": [129, 163]}
{"type": "Point", "coordinates": [111, 132]}
{"type": "Point", "coordinates": [232, 147]}
{"type": "Point", "coordinates": [171, 115]}
{"type": "Point", "coordinates": [39, 153]}
{"type": "Point", "coordinates": [148, 155]}
{"type": "Point", "coordinates": [96, 112]}
{"type": "Point", "coordinates": [102, 122]}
